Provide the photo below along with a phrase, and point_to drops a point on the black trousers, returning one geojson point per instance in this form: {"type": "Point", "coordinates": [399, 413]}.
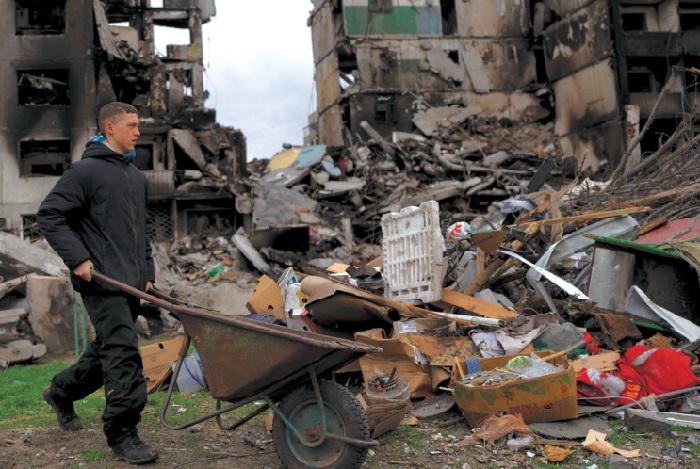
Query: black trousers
{"type": "Point", "coordinates": [112, 360]}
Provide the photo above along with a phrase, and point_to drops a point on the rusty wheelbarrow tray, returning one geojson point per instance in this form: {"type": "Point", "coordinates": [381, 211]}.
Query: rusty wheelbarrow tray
{"type": "Point", "coordinates": [246, 360]}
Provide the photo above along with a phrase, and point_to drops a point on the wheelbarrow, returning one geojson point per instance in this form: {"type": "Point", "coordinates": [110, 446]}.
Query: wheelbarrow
{"type": "Point", "coordinates": [316, 423]}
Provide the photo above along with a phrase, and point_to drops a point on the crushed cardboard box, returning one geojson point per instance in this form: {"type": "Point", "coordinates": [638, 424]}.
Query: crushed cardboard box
{"type": "Point", "coordinates": [546, 398]}
{"type": "Point", "coordinates": [157, 361]}
{"type": "Point", "coordinates": [267, 298]}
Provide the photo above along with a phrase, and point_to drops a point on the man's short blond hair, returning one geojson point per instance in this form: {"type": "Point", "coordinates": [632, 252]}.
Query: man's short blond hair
{"type": "Point", "coordinates": [111, 112]}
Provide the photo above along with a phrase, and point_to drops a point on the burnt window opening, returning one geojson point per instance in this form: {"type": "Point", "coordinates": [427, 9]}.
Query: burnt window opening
{"type": "Point", "coordinates": [29, 229]}
{"type": "Point", "coordinates": [128, 80]}
{"type": "Point", "coordinates": [384, 109]}
{"type": "Point", "coordinates": [640, 80]}
{"type": "Point", "coordinates": [144, 157]}
{"type": "Point", "coordinates": [159, 225]}
{"type": "Point", "coordinates": [633, 22]}
{"type": "Point", "coordinates": [381, 6]}
{"type": "Point", "coordinates": [689, 15]}
{"type": "Point", "coordinates": [453, 55]}
{"type": "Point", "coordinates": [38, 18]}
{"type": "Point", "coordinates": [540, 64]}
{"type": "Point", "coordinates": [691, 75]}
{"type": "Point", "coordinates": [647, 74]}
{"type": "Point", "coordinates": [183, 161]}
{"type": "Point", "coordinates": [347, 59]}
{"type": "Point", "coordinates": [211, 221]}
{"type": "Point", "coordinates": [43, 87]}
{"type": "Point", "coordinates": [658, 132]}
{"type": "Point", "coordinates": [44, 157]}
{"type": "Point", "coordinates": [449, 17]}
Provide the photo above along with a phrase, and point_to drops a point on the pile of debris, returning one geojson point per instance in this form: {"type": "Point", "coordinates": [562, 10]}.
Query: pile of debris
{"type": "Point", "coordinates": [540, 302]}
{"type": "Point", "coordinates": [488, 277]}
{"type": "Point", "coordinates": [338, 195]}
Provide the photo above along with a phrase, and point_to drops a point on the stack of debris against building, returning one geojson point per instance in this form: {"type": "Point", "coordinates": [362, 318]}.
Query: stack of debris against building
{"type": "Point", "coordinates": [518, 232]}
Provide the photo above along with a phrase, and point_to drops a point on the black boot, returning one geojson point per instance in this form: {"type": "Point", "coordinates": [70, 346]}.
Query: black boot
{"type": "Point", "coordinates": [67, 418]}
{"type": "Point", "coordinates": [129, 447]}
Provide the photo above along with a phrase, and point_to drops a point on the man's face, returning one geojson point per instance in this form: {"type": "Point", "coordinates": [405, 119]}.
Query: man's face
{"type": "Point", "coordinates": [123, 132]}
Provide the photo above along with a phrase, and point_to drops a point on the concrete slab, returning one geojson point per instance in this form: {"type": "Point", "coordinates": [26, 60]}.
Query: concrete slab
{"type": "Point", "coordinates": [8, 324]}
{"type": "Point", "coordinates": [571, 429]}
{"type": "Point", "coordinates": [50, 304]}
{"type": "Point", "coordinates": [226, 298]}
{"type": "Point", "coordinates": [19, 257]}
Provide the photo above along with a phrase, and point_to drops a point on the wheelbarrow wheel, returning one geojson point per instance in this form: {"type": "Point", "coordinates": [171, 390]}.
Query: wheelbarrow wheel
{"type": "Point", "coordinates": [344, 416]}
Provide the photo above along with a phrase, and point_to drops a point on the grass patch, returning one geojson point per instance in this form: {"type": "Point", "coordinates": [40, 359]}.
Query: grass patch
{"type": "Point", "coordinates": [22, 405]}
{"type": "Point", "coordinates": [94, 454]}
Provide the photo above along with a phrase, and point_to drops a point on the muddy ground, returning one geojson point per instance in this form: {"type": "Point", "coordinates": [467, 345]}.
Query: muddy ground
{"type": "Point", "coordinates": [203, 446]}
{"type": "Point", "coordinates": [431, 445]}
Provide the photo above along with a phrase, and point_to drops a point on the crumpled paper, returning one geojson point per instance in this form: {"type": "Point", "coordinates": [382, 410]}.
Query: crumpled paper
{"type": "Point", "coordinates": [595, 441]}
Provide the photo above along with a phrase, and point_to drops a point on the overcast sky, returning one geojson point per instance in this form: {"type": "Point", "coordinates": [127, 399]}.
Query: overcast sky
{"type": "Point", "coordinates": [259, 70]}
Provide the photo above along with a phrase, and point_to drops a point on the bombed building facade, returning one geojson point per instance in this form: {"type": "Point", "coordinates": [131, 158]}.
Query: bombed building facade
{"type": "Point", "coordinates": [599, 68]}
{"type": "Point", "coordinates": [62, 60]}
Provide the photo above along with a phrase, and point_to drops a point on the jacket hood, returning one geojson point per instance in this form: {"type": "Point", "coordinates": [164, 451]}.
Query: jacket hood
{"type": "Point", "coordinates": [100, 150]}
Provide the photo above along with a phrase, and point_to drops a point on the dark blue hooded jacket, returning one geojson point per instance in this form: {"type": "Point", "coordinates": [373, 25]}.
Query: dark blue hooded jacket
{"type": "Point", "coordinates": [97, 211]}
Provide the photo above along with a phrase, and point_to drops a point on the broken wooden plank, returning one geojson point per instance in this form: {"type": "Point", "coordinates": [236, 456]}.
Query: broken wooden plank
{"type": "Point", "coordinates": [601, 362]}
{"type": "Point", "coordinates": [476, 306]}
{"type": "Point", "coordinates": [10, 285]}
{"type": "Point", "coordinates": [652, 225]}
{"type": "Point", "coordinates": [667, 194]}
{"type": "Point", "coordinates": [586, 217]}
{"type": "Point", "coordinates": [489, 273]}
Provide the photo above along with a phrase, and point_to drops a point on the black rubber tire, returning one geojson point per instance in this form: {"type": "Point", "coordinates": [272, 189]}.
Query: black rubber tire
{"type": "Point", "coordinates": [345, 416]}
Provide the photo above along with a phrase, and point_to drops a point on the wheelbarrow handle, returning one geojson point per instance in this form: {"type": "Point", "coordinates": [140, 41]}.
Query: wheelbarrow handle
{"type": "Point", "coordinates": [173, 308]}
{"type": "Point", "coordinates": [163, 296]}
{"type": "Point", "coordinates": [152, 296]}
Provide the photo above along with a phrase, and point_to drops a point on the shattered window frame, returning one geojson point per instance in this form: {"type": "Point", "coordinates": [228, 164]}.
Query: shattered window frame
{"type": "Point", "coordinates": [448, 13]}
{"type": "Point", "coordinates": [28, 227]}
{"type": "Point", "coordinates": [50, 87]}
{"type": "Point", "coordinates": [40, 18]}
{"type": "Point", "coordinates": [54, 156]}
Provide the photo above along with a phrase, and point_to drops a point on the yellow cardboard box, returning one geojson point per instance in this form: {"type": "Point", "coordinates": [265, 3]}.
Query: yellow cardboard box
{"type": "Point", "coordinates": [544, 399]}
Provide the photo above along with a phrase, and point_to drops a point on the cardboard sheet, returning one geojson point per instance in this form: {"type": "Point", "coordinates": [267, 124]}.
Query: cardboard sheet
{"type": "Point", "coordinates": [157, 359]}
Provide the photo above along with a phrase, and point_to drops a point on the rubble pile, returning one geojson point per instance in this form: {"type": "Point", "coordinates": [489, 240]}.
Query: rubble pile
{"type": "Point", "coordinates": [552, 294]}
{"type": "Point", "coordinates": [666, 180]}
{"type": "Point", "coordinates": [467, 164]}
{"type": "Point", "coordinates": [487, 277]}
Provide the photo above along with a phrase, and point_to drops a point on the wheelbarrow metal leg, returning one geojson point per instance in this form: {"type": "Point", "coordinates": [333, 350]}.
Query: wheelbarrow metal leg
{"type": "Point", "coordinates": [242, 420]}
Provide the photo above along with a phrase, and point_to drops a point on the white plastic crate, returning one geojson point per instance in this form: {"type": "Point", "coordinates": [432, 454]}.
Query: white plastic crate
{"type": "Point", "coordinates": [413, 247]}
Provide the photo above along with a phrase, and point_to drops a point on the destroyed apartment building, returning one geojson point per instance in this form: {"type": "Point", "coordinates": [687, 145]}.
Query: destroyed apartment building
{"type": "Point", "coordinates": [63, 59]}
{"type": "Point", "coordinates": [599, 68]}
{"type": "Point", "coordinates": [428, 218]}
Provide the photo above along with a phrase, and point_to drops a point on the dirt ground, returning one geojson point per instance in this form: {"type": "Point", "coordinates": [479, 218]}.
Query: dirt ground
{"type": "Point", "coordinates": [431, 445]}
{"type": "Point", "coordinates": [203, 446]}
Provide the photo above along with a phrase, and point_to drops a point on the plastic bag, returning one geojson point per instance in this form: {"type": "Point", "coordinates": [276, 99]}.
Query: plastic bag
{"type": "Point", "coordinates": [532, 366]}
